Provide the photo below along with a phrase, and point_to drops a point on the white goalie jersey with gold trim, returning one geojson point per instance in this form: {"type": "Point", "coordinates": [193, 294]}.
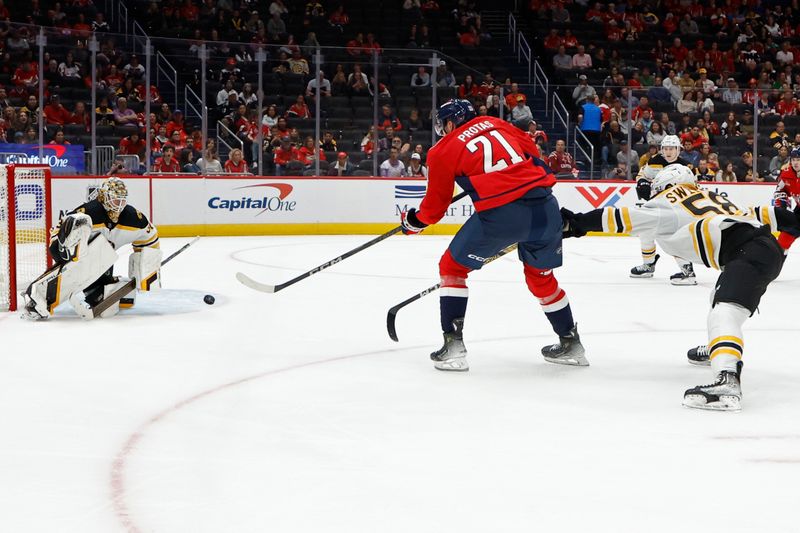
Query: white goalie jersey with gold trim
{"type": "Point", "coordinates": [686, 222]}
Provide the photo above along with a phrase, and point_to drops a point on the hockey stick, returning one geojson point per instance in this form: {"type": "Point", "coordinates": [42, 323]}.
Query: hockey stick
{"type": "Point", "coordinates": [120, 293]}
{"type": "Point", "coordinates": [247, 281]}
{"type": "Point", "coordinates": [391, 316]}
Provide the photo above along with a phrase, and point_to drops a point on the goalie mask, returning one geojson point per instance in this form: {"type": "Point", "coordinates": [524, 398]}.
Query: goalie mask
{"type": "Point", "coordinates": [673, 175]}
{"type": "Point", "coordinates": [114, 196]}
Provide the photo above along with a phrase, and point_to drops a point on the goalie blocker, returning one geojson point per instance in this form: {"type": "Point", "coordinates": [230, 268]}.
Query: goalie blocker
{"type": "Point", "coordinates": [83, 246]}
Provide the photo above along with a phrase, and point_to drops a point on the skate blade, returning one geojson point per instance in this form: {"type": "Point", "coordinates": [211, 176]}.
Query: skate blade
{"type": "Point", "coordinates": [706, 362]}
{"type": "Point", "coordinates": [685, 282]}
{"type": "Point", "coordinates": [647, 275]}
{"type": "Point", "coordinates": [452, 365]}
{"type": "Point", "coordinates": [579, 360]}
{"type": "Point", "coordinates": [725, 403]}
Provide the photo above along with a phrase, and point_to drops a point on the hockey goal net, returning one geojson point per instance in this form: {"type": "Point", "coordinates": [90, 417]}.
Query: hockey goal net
{"type": "Point", "coordinates": [24, 228]}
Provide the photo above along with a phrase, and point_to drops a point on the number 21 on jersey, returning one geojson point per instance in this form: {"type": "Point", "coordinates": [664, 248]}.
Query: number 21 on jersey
{"type": "Point", "coordinates": [489, 164]}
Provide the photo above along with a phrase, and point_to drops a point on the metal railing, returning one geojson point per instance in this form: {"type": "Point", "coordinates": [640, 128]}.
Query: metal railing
{"type": "Point", "coordinates": [130, 163]}
{"type": "Point", "coordinates": [194, 104]}
{"type": "Point", "coordinates": [560, 112]}
{"type": "Point", "coordinates": [512, 31]}
{"type": "Point", "coordinates": [139, 38]}
{"type": "Point", "coordinates": [103, 157]}
{"type": "Point", "coordinates": [577, 146]}
{"type": "Point", "coordinates": [166, 72]}
{"type": "Point", "coordinates": [122, 18]}
{"type": "Point", "coordinates": [224, 134]}
{"type": "Point", "coordinates": [540, 79]}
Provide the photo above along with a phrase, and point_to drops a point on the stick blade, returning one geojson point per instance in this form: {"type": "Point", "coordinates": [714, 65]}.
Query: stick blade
{"type": "Point", "coordinates": [249, 282]}
{"type": "Point", "coordinates": [391, 318]}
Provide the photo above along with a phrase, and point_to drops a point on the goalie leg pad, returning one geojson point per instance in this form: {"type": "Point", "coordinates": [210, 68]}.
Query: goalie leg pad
{"type": "Point", "coordinates": [90, 261]}
{"type": "Point", "coordinates": [145, 267]}
{"type": "Point", "coordinates": [125, 302]}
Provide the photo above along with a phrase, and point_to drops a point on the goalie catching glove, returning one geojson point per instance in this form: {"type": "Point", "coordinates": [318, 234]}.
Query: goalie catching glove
{"type": "Point", "coordinates": [410, 223]}
{"type": "Point", "coordinates": [71, 231]}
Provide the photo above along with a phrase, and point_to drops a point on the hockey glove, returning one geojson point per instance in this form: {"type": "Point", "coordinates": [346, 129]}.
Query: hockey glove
{"type": "Point", "coordinates": [781, 200]}
{"type": "Point", "coordinates": [643, 189]}
{"type": "Point", "coordinates": [570, 224]}
{"type": "Point", "coordinates": [71, 230]}
{"type": "Point", "coordinates": [411, 224]}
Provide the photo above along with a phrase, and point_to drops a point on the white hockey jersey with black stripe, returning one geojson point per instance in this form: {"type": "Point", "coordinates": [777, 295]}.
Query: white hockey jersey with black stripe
{"type": "Point", "coordinates": [686, 222]}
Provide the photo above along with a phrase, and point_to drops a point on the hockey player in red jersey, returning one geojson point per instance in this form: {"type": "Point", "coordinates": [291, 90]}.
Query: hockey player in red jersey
{"type": "Point", "coordinates": [510, 186]}
{"type": "Point", "coordinates": [787, 193]}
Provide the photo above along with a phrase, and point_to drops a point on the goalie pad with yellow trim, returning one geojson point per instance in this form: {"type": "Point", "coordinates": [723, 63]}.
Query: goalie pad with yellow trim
{"type": "Point", "coordinates": [90, 260]}
{"type": "Point", "coordinates": [144, 266]}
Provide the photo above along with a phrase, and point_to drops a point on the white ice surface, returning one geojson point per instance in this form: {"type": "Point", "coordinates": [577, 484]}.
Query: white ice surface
{"type": "Point", "coordinates": [294, 412]}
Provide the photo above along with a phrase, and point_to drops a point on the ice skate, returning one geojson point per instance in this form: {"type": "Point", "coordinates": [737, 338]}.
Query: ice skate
{"type": "Point", "coordinates": [698, 356]}
{"type": "Point", "coordinates": [645, 270]}
{"type": "Point", "coordinates": [685, 276]}
{"type": "Point", "coordinates": [452, 356]}
{"type": "Point", "coordinates": [725, 394]}
{"type": "Point", "coordinates": [568, 351]}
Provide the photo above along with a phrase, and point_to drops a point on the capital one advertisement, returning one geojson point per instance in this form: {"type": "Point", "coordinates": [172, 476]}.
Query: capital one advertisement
{"type": "Point", "coordinates": [194, 205]}
{"type": "Point", "coordinates": [62, 159]}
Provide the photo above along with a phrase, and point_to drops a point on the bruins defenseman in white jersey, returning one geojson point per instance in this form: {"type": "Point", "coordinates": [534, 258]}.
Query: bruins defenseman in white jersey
{"type": "Point", "coordinates": [669, 155]}
{"type": "Point", "coordinates": [83, 246]}
{"type": "Point", "coordinates": [704, 227]}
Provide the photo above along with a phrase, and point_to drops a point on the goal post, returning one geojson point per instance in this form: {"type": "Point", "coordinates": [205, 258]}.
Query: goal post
{"type": "Point", "coordinates": [25, 222]}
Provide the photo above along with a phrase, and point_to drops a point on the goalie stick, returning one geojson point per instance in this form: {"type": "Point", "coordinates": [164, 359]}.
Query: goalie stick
{"type": "Point", "coordinates": [247, 281]}
{"type": "Point", "coordinates": [391, 316]}
{"type": "Point", "coordinates": [120, 293]}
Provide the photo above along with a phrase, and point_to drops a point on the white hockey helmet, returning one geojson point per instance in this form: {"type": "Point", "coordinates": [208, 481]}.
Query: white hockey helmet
{"type": "Point", "coordinates": [671, 140]}
{"type": "Point", "coordinates": [672, 175]}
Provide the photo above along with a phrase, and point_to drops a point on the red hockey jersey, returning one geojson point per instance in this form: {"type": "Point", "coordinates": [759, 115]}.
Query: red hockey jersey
{"type": "Point", "coordinates": [495, 162]}
{"type": "Point", "coordinates": [788, 184]}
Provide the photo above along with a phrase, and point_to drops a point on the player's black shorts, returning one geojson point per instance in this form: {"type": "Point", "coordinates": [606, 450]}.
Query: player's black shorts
{"type": "Point", "coordinates": [748, 269]}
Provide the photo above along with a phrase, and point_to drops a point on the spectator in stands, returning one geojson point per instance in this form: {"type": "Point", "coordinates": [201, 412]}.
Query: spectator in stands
{"type": "Point", "coordinates": [787, 105]}
{"type": "Point", "coordinates": [70, 70]}
{"type": "Point", "coordinates": [655, 133]}
{"type": "Point", "coordinates": [31, 136]}
{"type": "Point", "coordinates": [368, 142]}
{"type": "Point", "coordinates": [247, 96]}
{"type": "Point", "coordinates": [779, 137]}
{"type": "Point", "coordinates": [388, 118]}
{"type": "Point", "coordinates": [298, 64]}
{"type": "Point", "coordinates": [167, 161]}
{"type": "Point", "coordinates": [688, 104]}
{"type": "Point", "coordinates": [562, 60]}
{"type": "Point", "coordinates": [732, 94]}
{"type": "Point", "coordinates": [560, 161]}
{"type": "Point", "coordinates": [270, 118]}
{"type": "Point", "coordinates": [690, 153]}
{"type": "Point", "coordinates": [627, 157]}
{"type": "Point", "coordinates": [58, 138]}
{"type": "Point", "coordinates": [342, 166]}
{"type": "Point", "coordinates": [779, 160]}
{"type": "Point", "coordinates": [177, 140]}
{"type": "Point", "coordinates": [590, 120]}
{"type": "Point", "coordinates": [299, 109]}
{"type": "Point", "coordinates": [132, 145]}
{"type": "Point", "coordinates": [521, 114]}
{"type": "Point", "coordinates": [468, 90]}
{"type": "Point", "coordinates": [392, 167]}
{"type": "Point", "coordinates": [276, 28]}
{"type": "Point", "coordinates": [421, 78]}
{"type": "Point", "coordinates": [730, 127]}
{"type": "Point", "coordinates": [728, 174]}
{"type": "Point", "coordinates": [357, 82]}
{"type": "Point", "coordinates": [318, 84]}
{"type": "Point", "coordinates": [283, 154]}
{"type": "Point", "coordinates": [658, 93]}
{"type": "Point", "coordinates": [235, 163]}
{"type": "Point", "coordinates": [133, 68]}
{"type": "Point", "coordinates": [581, 60]}
{"type": "Point", "coordinates": [583, 92]}
{"type": "Point", "coordinates": [25, 78]}
{"type": "Point", "coordinates": [618, 172]}
{"type": "Point", "coordinates": [307, 154]}
{"type": "Point", "coordinates": [538, 136]}
{"type": "Point", "coordinates": [704, 172]}
{"type": "Point", "coordinates": [415, 168]}
{"type": "Point", "coordinates": [444, 77]}
{"type": "Point", "coordinates": [328, 143]}
{"type": "Point", "coordinates": [688, 26]}
{"type": "Point", "coordinates": [747, 125]}
{"type": "Point", "coordinates": [744, 167]}
{"type": "Point", "coordinates": [785, 56]}
{"type": "Point", "coordinates": [188, 163]}
{"type": "Point", "coordinates": [413, 123]}
{"type": "Point", "coordinates": [55, 112]}
{"type": "Point", "coordinates": [209, 163]}
{"type": "Point", "coordinates": [161, 136]}
{"type": "Point", "coordinates": [638, 133]}
{"type": "Point", "coordinates": [652, 150]}
{"type": "Point", "coordinates": [609, 140]}
{"type": "Point", "coordinates": [124, 117]}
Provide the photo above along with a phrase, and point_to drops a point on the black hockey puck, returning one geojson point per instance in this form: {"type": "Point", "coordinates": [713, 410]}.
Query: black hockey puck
{"type": "Point", "coordinates": [209, 299]}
